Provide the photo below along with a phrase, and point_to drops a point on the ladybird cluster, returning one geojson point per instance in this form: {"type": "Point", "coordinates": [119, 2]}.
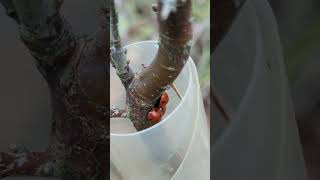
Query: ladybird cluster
{"type": "Point", "coordinates": [159, 109]}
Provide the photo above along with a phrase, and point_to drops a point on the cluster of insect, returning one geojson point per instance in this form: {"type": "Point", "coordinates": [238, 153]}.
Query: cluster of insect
{"type": "Point", "coordinates": [159, 109]}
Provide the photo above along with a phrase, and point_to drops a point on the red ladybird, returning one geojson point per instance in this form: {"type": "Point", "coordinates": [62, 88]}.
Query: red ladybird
{"type": "Point", "coordinates": [164, 99]}
{"type": "Point", "coordinates": [154, 115]}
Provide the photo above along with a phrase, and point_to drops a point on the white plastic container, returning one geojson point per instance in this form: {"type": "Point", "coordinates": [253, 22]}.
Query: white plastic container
{"type": "Point", "coordinates": [178, 147]}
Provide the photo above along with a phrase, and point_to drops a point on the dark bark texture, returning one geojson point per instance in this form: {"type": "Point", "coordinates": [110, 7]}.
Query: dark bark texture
{"type": "Point", "coordinates": [76, 70]}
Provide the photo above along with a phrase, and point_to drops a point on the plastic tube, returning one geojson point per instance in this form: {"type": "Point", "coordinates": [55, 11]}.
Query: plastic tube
{"type": "Point", "coordinates": [175, 148]}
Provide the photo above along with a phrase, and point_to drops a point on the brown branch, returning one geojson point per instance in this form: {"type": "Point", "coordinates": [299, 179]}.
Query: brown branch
{"type": "Point", "coordinates": [174, 48]}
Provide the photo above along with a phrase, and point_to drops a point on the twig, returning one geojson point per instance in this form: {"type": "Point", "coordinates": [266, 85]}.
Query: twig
{"type": "Point", "coordinates": [118, 113]}
{"type": "Point", "coordinates": [175, 89]}
{"type": "Point", "coordinates": [118, 54]}
{"type": "Point", "coordinates": [116, 41]}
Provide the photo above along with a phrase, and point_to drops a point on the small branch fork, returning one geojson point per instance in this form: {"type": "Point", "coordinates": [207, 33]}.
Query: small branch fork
{"type": "Point", "coordinates": [175, 34]}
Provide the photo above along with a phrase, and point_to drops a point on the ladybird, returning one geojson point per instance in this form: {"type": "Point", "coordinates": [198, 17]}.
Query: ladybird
{"type": "Point", "coordinates": [154, 115]}
{"type": "Point", "coordinates": [164, 99]}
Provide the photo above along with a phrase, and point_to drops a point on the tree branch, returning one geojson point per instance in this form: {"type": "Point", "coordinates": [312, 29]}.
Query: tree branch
{"type": "Point", "coordinates": [118, 54]}
{"type": "Point", "coordinates": [47, 35]}
{"type": "Point", "coordinates": [175, 34]}
{"type": "Point", "coordinates": [77, 79]}
{"type": "Point", "coordinates": [116, 41]}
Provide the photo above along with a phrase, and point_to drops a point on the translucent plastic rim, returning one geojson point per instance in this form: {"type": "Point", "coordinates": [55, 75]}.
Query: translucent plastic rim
{"type": "Point", "coordinates": [188, 64]}
{"type": "Point", "coordinates": [196, 124]}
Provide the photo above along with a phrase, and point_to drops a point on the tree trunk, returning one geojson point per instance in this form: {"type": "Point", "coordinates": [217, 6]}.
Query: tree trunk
{"type": "Point", "coordinates": [76, 70]}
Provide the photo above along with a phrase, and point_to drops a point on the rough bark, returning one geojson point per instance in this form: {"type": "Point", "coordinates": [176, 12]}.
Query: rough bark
{"type": "Point", "coordinates": [76, 70]}
{"type": "Point", "coordinates": [175, 34]}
